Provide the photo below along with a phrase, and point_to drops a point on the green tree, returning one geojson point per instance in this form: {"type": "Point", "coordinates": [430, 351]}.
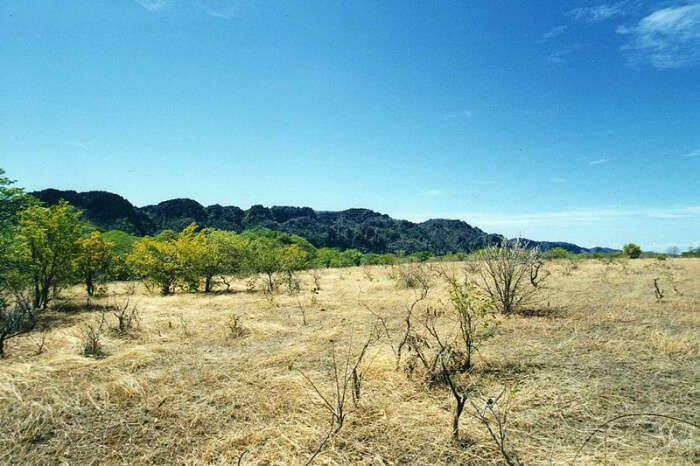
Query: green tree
{"type": "Point", "coordinates": [155, 261]}
{"type": "Point", "coordinates": [50, 235]}
{"type": "Point", "coordinates": [193, 253]}
{"type": "Point", "coordinates": [93, 260]}
{"type": "Point", "coordinates": [228, 254]}
{"type": "Point", "coordinates": [266, 255]}
{"type": "Point", "coordinates": [632, 250]}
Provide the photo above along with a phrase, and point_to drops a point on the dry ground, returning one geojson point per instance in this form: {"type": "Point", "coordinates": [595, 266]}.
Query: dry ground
{"type": "Point", "coordinates": [182, 390]}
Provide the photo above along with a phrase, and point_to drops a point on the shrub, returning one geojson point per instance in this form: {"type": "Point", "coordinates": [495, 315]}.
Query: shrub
{"type": "Point", "coordinates": [632, 250]}
{"type": "Point", "coordinates": [504, 274]}
{"type": "Point", "coordinates": [413, 276]}
{"type": "Point", "coordinates": [91, 336]}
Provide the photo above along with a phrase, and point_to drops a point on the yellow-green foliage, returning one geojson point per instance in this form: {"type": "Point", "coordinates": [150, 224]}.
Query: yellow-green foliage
{"type": "Point", "coordinates": [155, 260]}
{"type": "Point", "coordinates": [49, 236]}
{"type": "Point", "coordinates": [93, 259]}
{"type": "Point", "coordinates": [185, 259]}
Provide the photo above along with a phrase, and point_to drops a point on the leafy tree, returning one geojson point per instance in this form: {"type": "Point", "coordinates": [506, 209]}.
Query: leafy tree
{"type": "Point", "coordinates": [50, 235]}
{"type": "Point", "coordinates": [352, 257]}
{"type": "Point", "coordinates": [192, 252]}
{"type": "Point", "coordinates": [16, 315]}
{"type": "Point", "coordinates": [228, 253]}
{"type": "Point", "coordinates": [93, 260]}
{"type": "Point", "coordinates": [266, 259]}
{"type": "Point", "coordinates": [155, 260]}
{"type": "Point", "coordinates": [632, 250]}
{"type": "Point", "coordinates": [12, 201]}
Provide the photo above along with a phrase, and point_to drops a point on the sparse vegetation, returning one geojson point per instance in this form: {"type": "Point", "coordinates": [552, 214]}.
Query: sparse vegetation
{"type": "Point", "coordinates": [187, 371]}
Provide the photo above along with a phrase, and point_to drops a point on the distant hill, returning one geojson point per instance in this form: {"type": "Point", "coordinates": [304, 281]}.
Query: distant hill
{"type": "Point", "coordinates": [362, 229]}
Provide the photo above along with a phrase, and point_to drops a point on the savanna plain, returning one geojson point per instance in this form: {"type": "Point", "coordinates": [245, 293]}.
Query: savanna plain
{"type": "Point", "coordinates": [240, 376]}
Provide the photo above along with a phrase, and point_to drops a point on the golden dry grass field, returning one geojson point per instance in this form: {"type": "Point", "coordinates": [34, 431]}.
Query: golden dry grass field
{"type": "Point", "coordinates": [183, 390]}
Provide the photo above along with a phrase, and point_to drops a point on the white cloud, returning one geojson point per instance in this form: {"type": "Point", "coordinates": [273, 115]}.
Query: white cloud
{"type": "Point", "coordinates": [667, 38]}
{"type": "Point", "coordinates": [596, 14]}
{"type": "Point", "coordinates": [692, 153]}
{"type": "Point", "coordinates": [598, 161]}
{"type": "Point", "coordinates": [224, 9]}
{"type": "Point", "coordinates": [153, 5]}
{"type": "Point", "coordinates": [552, 33]}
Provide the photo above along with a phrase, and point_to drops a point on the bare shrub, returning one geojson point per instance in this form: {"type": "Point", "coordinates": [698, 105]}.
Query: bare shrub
{"type": "Point", "coordinates": [14, 320]}
{"type": "Point", "coordinates": [402, 340]}
{"type": "Point", "coordinates": [413, 276]}
{"type": "Point", "coordinates": [494, 417]}
{"type": "Point", "coordinates": [505, 272]}
{"type": "Point", "coordinates": [128, 317]}
{"type": "Point", "coordinates": [291, 281]}
{"type": "Point", "coordinates": [367, 272]}
{"type": "Point", "coordinates": [91, 336]}
{"type": "Point", "coordinates": [346, 377]}
{"type": "Point", "coordinates": [317, 281]}
{"type": "Point", "coordinates": [234, 327]}
{"type": "Point", "coordinates": [657, 291]}
{"type": "Point", "coordinates": [41, 343]}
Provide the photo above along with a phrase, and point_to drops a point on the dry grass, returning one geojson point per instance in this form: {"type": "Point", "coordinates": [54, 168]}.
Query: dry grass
{"type": "Point", "coordinates": [185, 389]}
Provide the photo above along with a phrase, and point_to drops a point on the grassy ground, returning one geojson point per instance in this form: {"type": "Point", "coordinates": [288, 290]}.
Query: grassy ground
{"type": "Point", "coordinates": [183, 390]}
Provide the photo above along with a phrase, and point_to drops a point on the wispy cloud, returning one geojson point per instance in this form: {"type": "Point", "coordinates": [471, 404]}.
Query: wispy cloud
{"type": "Point", "coordinates": [78, 144]}
{"type": "Point", "coordinates": [692, 153]}
{"type": "Point", "coordinates": [552, 33]}
{"type": "Point", "coordinates": [598, 161]}
{"type": "Point", "coordinates": [667, 38]}
{"type": "Point", "coordinates": [563, 55]}
{"type": "Point", "coordinates": [598, 13]}
{"type": "Point", "coordinates": [153, 5]}
{"type": "Point", "coordinates": [224, 9]}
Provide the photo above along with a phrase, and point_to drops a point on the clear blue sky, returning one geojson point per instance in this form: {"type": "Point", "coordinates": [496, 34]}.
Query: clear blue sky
{"type": "Point", "coordinates": [566, 120]}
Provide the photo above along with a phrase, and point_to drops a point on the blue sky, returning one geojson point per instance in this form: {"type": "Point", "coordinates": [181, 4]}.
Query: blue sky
{"type": "Point", "coordinates": [567, 120]}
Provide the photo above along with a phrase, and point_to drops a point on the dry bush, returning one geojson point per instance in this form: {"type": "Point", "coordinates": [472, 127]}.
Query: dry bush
{"type": "Point", "coordinates": [291, 281]}
{"type": "Point", "coordinates": [349, 380]}
{"type": "Point", "coordinates": [91, 336]}
{"type": "Point", "coordinates": [505, 274]}
{"type": "Point", "coordinates": [234, 327]}
{"type": "Point", "coordinates": [493, 415]}
{"type": "Point", "coordinates": [413, 276]}
{"type": "Point", "coordinates": [128, 317]}
{"type": "Point", "coordinates": [367, 272]}
{"type": "Point", "coordinates": [317, 281]}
